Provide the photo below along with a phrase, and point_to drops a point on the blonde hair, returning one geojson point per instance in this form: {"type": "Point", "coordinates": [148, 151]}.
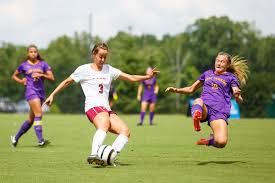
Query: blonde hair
{"type": "Point", "coordinates": [238, 66]}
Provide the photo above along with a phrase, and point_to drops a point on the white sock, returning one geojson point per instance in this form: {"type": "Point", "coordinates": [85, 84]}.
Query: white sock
{"type": "Point", "coordinates": [120, 142]}
{"type": "Point", "coordinates": [98, 140]}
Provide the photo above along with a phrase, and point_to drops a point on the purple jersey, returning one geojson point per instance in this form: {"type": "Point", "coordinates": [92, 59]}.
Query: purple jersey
{"type": "Point", "coordinates": [217, 90]}
{"type": "Point", "coordinates": [149, 86]}
{"type": "Point", "coordinates": [34, 88]}
{"type": "Point", "coordinates": [149, 90]}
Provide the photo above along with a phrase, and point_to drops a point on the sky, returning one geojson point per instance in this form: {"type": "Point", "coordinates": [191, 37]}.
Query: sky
{"type": "Point", "coordinates": [41, 21]}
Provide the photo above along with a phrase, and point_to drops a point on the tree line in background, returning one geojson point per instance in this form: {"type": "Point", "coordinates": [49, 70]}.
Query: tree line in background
{"type": "Point", "coordinates": [181, 59]}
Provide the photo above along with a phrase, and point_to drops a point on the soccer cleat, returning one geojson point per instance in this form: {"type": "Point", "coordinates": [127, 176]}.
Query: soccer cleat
{"type": "Point", "coordinates": [139, 124]}
{"type": "Point", "coordinates": [203, 142]}
{"type": "Point", "coordinates": [95, 159]}
{"type": "Point", "coordinates": [196, 120]}
{"type": "Point", "coordinates": [13, 141]}
{"type": "Point", "coordinates": [44, 143]}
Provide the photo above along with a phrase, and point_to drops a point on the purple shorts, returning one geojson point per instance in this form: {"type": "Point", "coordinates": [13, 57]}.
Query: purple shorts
{"type": "Point", "coordinates": [34, 96]}
{"type": "Point", "coordinates": [149, 99]}
{"type": "Point", "coordinates": [212, 115]}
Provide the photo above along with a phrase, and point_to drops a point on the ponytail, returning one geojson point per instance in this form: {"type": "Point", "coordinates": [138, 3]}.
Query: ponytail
{"type": "Point", "coordinates": [238, 66]}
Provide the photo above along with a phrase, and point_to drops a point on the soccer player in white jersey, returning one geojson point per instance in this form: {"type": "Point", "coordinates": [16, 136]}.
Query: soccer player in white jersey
{"type": "Point", "coordinates": [95, 79]}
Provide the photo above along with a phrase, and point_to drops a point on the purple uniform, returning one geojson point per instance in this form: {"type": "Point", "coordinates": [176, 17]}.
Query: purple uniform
{"type": "Point", "coordinates": [149, 90]}
{"type": "Point", "coordinates": [34, 87]}
{"type": "Point", "coordinates": [217, 93]}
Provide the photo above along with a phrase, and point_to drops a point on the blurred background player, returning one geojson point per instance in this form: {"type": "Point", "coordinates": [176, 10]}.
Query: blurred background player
{"type": "Point", "coordinates": [35, 70]}
{"type": "Point", "coordinates": [95, 79]}
{"type": "Point", "coordinates": [149, 97]}
{"type": "Point", "coordinates": [112, 96]}
{"type": "Point", "coordinates": [215, 102]}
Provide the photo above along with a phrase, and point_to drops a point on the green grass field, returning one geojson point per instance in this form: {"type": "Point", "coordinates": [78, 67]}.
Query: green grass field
{"type": "Point", "coordinates": [162, 153]}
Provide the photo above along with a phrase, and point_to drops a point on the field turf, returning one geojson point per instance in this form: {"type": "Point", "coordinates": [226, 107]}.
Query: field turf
{"type": "Point", "coordinates": [165, 152]}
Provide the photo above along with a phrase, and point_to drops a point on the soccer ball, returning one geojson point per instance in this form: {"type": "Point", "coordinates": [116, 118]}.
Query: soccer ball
{"type": "Point", "coordinates": [107, 154]}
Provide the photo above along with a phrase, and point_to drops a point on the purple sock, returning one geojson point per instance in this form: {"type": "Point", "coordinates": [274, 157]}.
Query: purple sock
{"type": "Point", "coordinates": [196, 107]}
{"type": "Point", "coordinates": [38, 128]}
{"type": "Point", "coordinates": [24, 128]}
{"type": "Point", "coordinates": [211, 142]}
{"type": "Point", "coordinates": [151, 117]}
{"type": "Point", "coordinates": [142, 115]}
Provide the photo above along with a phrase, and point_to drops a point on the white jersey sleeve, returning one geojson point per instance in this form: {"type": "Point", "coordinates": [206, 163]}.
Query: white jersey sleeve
{"type": "Point", "coordinates": [79, 74]}
{"type": "Point", "coordinates": [114, 72]}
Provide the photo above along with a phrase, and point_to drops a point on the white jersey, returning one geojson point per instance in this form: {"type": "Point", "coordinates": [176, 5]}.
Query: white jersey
{"type": "Point", "coordinates": [95, 84]}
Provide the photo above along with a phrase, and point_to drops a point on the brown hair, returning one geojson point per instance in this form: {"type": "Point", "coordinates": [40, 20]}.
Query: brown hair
{"type": "Point", "coordinates": [38, 55]}
{"type": "Point", "coordinates": [238, 66]}
{"type": "Point", "coordinates": [98, 46]}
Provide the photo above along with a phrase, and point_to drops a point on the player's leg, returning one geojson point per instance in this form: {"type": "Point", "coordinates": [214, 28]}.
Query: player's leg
{"type": "Point", "coordinates": [35, 105]}
{"type": "Point", "coordinates": [220, 133]}
{"type": "Point", "coordinates": [152, 112]}
{"type": "Point", "coordinates": [23, 129]}
{"type": "Point", "coordinates": [102, 124]}
{"type": "Point", "coordinates": [120, 128]}
{"type": "Point", "coordinates": [101, 120]}
{"type": "Point", "coordinates": [143, 109]}
{"type": "Point", "coordinates": [199, 112]}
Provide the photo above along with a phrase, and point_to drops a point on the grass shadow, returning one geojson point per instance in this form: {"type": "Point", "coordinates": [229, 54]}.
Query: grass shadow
{"type": "Point", "coordinates": [111, 166]}
{"type": "Point", "coordinates": [220, 162]}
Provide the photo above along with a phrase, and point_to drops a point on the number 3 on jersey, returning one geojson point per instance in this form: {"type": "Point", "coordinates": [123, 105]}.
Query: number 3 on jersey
{"type": "Point", "coordinates": [100, 88]}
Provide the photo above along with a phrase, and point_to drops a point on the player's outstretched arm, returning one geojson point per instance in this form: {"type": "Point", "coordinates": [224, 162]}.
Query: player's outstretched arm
{"type": "Point", "coordinates": [185, 90]}
{"type": "Point", "coordinates": [60, 87]}
{"type": "Point", "coordinates": [135, 78]}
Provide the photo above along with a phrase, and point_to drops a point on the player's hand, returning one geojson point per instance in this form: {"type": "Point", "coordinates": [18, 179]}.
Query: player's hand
{"type": "Point", "coordinates": [153, 73]}
{"type": "Point", "coordinates": [171, 89]}
{"type": "Point", "coordinates": [36, 76]}
{"type": "Point", "coordinates": [236, 92]}
{"type": "Point", "coordinates": [48, 101]}
{"type": "Point", "coordinates": [138, 97]}
{"type": "Point", "coordinates": [239, 99]}
{"type": "Point", "coordinates": [24, 81]}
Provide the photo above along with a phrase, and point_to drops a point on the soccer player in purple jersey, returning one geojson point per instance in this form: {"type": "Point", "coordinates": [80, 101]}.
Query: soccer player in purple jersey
{"type": "Point", "coordinates": [34, 70]}
{"type": "Point", "coordinates": [149, 97]}
{"type": "Point", "coordinates": [214, 103]}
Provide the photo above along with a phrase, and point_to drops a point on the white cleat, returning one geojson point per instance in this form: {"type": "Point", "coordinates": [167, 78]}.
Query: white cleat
{"type": "Point", "coordinates": [13, 141]}
{"type": "Point", "coordinates": [43, 143]}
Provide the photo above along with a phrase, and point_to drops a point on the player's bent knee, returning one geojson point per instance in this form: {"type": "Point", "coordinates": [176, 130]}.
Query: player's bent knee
{"type": "Point", "coordinates": [126, 132]}
{"type": "Point", "coordinates": [220, 143]}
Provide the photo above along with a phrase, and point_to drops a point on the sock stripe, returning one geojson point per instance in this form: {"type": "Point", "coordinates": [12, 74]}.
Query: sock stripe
{"type": "Point", "coordinates": [37, 123]}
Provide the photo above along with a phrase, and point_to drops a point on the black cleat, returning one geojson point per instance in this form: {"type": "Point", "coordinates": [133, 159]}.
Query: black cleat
{"type": "Point", "coordinates": [95, 159]}
{"type": "Point", "coordinates": [139, 124]}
